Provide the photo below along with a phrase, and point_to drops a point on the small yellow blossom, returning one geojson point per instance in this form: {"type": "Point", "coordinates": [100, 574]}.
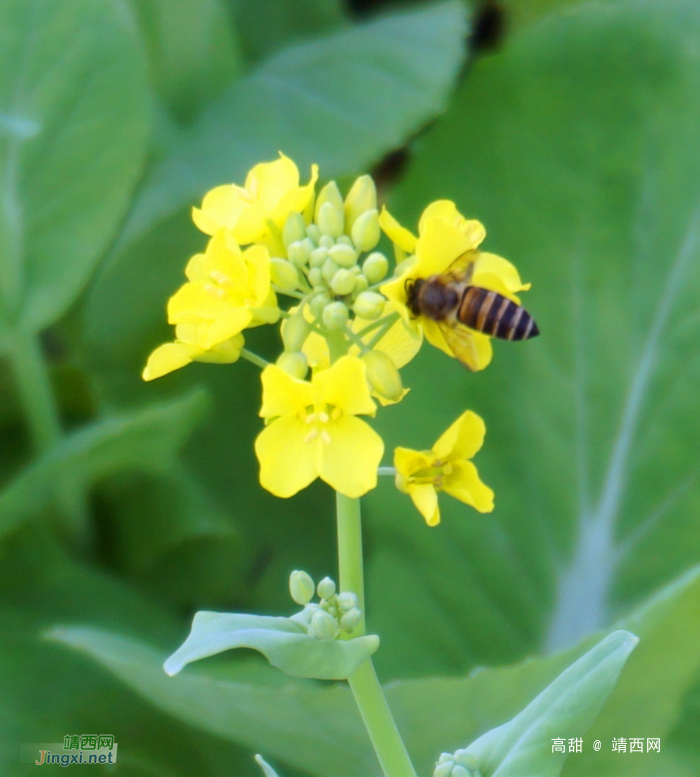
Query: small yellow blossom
{"type": "Point", "coordinates": [171, 356]}
{"type": "Point", "coordinates": [257, 211]}
{"type": "Point", "coordinates": [228, 290]}
{"type": "Point", "coordinates": [421, 474]}
{"type": "Point", "coordinates": [444, 235]}
{"type": "Point", "coordinates": [313, 431]}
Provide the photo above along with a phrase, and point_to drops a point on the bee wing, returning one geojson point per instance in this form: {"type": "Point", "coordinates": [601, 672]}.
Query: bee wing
{"type": "Point", "coordinates": [462, 269]}
{"type": "Point", "coordinates": [461, 343]}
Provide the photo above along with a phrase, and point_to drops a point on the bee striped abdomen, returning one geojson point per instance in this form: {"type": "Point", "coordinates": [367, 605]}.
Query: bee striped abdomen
{"type": "Point", "coordinates": [495, 315]}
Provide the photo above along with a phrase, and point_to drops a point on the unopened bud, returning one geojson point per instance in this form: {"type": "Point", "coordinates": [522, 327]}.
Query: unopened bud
{"type": "Point", "coordinates": [329, 194]}
{"type": "Point", "coordinates": [326, 588]}
{"type": "Point", "coordinates": [294, 364]}
{"type": "Point", "coordinates": [294, 229]}
{"type": "Point", "coordinates": [283, 274]}
{"type": "Point", "coordinates": [369, 305]}
{"type": "Point", "coordinates": [318, 305]}
{"type": "Point", "coordinates": [301, 587]}
{"type": "Point", "coordinates": [360, 285]}
{"type": "Point", "coordinates": [365, 231]}
{"type": "Point", "coordinates": [344, 240]}
{"type": "Point", "coordinates": [316, 277]}
{"type": "Point", "coordinates": [466, 759]}
{"type": "Point", "coordinates": [318, 257]}
{"type": "Point", "coordinates": [460, 771]}
{"type": "Point", "coordinates": [343, 282]}
{"type": "Point", "coordinates": [326, 241]}
{"type": "Point", "coordinates": [383, 376]}
{"type": "Point", "coordinates": [343, 255]}
{"type": "Point", "coordinates": [335, 315]}
{"type": "Point", "coordinates": [347, 600]}
{"type": "Point", "coordinates": [361, 197]}
{"type": "Point", "coordinates": [323, 625]}
{"type": "Point", "coordinates": [330, 220]}
{"type": "Point", "coordinates": [295, 330]}
{"type": "Point", "coordinates": [443, 769]}
{"type": "Point", "coordinates": [329, 269]}
{"type": "Point", "coordinates": [298, 253]}
{"type": "Point", "coordinates": [313, 233]}
{"type": "Point", "coordinates": [375, 267]}
{"type": "Point", "coordinates": [350, 619]}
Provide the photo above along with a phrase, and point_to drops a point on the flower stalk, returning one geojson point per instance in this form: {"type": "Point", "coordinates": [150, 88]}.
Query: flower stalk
{"type": "Point", "coordinates": [364, 683]}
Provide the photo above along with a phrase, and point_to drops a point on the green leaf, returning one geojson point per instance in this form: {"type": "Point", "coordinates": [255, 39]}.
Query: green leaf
{"type": "Point", "coordinates": [267, 770]}
{"type": "Point", "coordinates": [192, 51]}
{"type": "Point", "coordinates": [434, 714]}
{"type": "Point", "coordinates": [342, 102]}
{"type": "Point", "coordinates": [584, 165]}
{"type": "Point", "coordinates": [565, 709]}
{"type": "Point", "coordinates": [73, 128]}
{"type": "Point", "coordinates": [283, 641]}
{"type": "Point", "coordinates": [146, 440]}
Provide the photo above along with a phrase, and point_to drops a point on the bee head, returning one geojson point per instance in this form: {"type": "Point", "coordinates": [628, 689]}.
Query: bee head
{"type": "Point", "coordinates": [412, 288]}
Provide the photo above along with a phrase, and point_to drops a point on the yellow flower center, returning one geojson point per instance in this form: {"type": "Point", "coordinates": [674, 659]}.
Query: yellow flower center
{"type": "Point", "coordinates": [434, 475]}
{"type": "Point", "coordinates": [319, 418]}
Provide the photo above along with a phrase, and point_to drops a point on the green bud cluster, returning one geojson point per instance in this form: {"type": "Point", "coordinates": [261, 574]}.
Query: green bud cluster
{"type": "Point", "coordinates": [333, 614]}
{"type": "Point", "coordinates": [458, 764]}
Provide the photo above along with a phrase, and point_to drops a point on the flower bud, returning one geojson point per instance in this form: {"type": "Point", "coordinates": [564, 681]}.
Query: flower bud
{"type": "Point", "coordinates": [318, 304]}
{"type": "Point", "coordinates": [343, 255]}
{"type": "Point", "coordinates": [365, 231]}
{"type": "Point", "coordinates": [369, 305]}
{"type": "Point", "coordinates": [343, 282]}
{"type": "Point", "coordinates": [326, 588]}
{"type": "Point", "coordinates": [313, 233]}
{"type": "Point", "coordinates": [330, 220]}
{"type": "Point", "coordinates": [350, 619]}
{"type": "Point", "coordinates": [345, 241]}
{"type": "Point", "coordinates": [360, 285]}
{"type": "Point", "coordinates": [443, 769]}
{"type": "Point", "coordinates": [295, 330]}
{"type": "Point", "coordinates": [318, 257]}
{"type": "Point", "coordinates": [347, 600]}
{"type": "Point", "coordinates": [383, 376]}
{"type": "Point", "coordinates": [323, 625]}
{"type": "Point", "coordinates": [283, 274]}
{"type": "Point", "coordinates": [294, 229]}
{"type": "Point", "coordinates": [316, 277]}
{"type": "Point", "coordinates": [335, 315]}
{"type": "Point", "coordinates": [361, 197]}
{"type": "Point", "coordinates": [466, 759]}
{"type": "Point", "coordinates": [375, 267]}
{"type": "Point", "coordinates": [326, 241]}
{"type": "Point", "coordinates": [460, 771]}
{"type": "Point", "coordinates": [301, 587]}
{"type": "Point", "coordinates": [298, 253]}
{"type": "Point", "coordinates": [328, 270]}
{"type": "Point", "coordinates": [329, 194]}
{"type": "Point", "coordinates": [294, 364]}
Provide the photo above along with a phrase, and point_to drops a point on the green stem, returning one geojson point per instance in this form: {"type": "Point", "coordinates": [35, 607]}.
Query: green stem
{"type": "Point", "coordinates": [383, 330]}
{"type": "Point", "coordinates": [365, 686]}
{"type": "Point", "coordinates": [379, 322]}
{"type": "Point", "coordinates": [258, 361]}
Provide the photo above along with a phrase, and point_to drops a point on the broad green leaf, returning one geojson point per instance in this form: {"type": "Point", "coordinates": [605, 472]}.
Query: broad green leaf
{"type": "Point", "coordinates": [283, 641]}
{"type": "Point", "coordinates": [193, 52]}
{"type": "Point", "coordinates": [434, 714]}
{"type": "Point", "coordinates": [565, 709]}
{"type": "Point", "coordinates": [73, 128]}
{"type": "Point", "coordinates": [341, 101]}
{"type": "Point", "coordinates": [580, 156]}
{"type": "Point", "coordinates": [145, 440]}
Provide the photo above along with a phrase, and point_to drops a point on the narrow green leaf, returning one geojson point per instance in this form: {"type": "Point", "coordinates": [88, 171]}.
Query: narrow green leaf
{"type": "Point", "coordinates": [267, 770]}
{"type": "Point", "coordinates": [145, 440]}
{"type": "Point", "coordinates": [282, 641]}
{"type": "Point", "coordinates": [74, 119]}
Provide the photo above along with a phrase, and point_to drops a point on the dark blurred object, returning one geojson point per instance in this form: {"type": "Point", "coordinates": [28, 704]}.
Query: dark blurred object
{"type": "Point", "coordinates": [389, 169]}
{"type": "Point", "coordinates": [489, 27]}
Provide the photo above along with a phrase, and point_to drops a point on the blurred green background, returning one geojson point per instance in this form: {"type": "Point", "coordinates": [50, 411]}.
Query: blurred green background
{"type": "Point", "coordinates": [571, 131]}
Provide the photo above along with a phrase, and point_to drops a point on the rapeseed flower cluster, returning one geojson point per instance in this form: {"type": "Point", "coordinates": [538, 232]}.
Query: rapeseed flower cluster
{"type": "Point", "coordinates": [346, 334]}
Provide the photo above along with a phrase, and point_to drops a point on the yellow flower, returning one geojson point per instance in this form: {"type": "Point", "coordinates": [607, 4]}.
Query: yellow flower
{"type": "Point", "coordinates": [256, 212]}
{"type": "Point", "coordinates": [183, 351]}
{"type": "Point", "coordinates": [228, 290]}
{"type": "Point", "coordinates": [444, 235]}
{"type": "Point", "coordinates": [313, 431]}
{"type": "Point", "coordinates": [421, 474]}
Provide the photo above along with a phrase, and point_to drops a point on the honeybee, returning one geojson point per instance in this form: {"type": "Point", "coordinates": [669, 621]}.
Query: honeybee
{"type": "Point", "coordinates": [456, 306]}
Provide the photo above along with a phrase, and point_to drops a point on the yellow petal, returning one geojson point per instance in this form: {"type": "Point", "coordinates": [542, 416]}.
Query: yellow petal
{"type": "Point", "coordinates": [287, 463]}
{"type": "Point", "coordinates": [228, 323]}
{"type": "Point", "coordinates": [349, 462]}
{"type": "Point", "coordinates": [270, 181]}
{"type": "Point", "coordinates": [296, 200]}
{"type": "Point", "coordinates": [316, 351]}
{"type": "Point", "coordinates": [446, 209]}
{"type": "Point", "coordinates": [403, 340]}
{"type": "Point", "coordinates": [439, 244]}
{"type": "Point", "coordinates": [227, 352]}
{"type": "Point", "coordinates": [396, 233]}
{"type": "Point", "coordinates": [408, 461]}
{"type": "Point", "coordinates": [167, 358]}
{"type": "Point", "coordinates": [195, 270]}
{"type": "Point", "coordinates": [221, 207]}
{"type": "Point", "coordinates": [425, 499]}
{"type": "Point", "coordinates": [193, 302]}
{"type": "Point", "coordinates": [251, 225]}
{"type": "Point", "coordinates": [464, 484]}
{"type": "Point", "coordinates": [463, 439]}
{"type": "Point", "coordinates": [478, 358]}
{"type": "Point", "coordinates": [224, 257]}
{"type": "Point", "coordinates": [344, 385]}
{"type": "Point", "coordinates": [258, 261]}
{"type": "Point", "coordinates": [283, 395]}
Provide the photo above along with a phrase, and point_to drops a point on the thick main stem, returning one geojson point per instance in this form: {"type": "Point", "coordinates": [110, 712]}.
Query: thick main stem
{"type": "Point", "coordinates": [365, 686]}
